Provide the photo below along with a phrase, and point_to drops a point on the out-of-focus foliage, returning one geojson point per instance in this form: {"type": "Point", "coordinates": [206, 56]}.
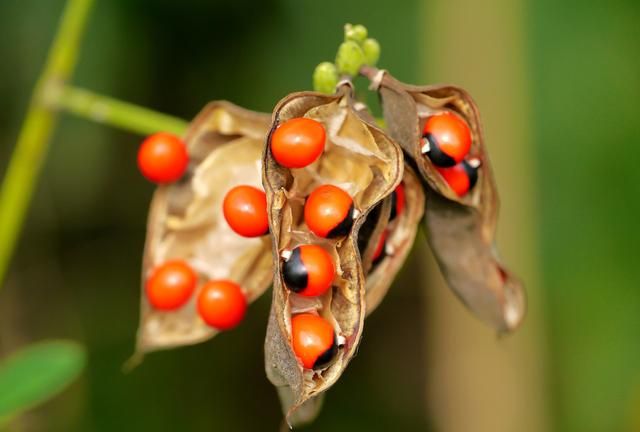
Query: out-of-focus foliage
{"type": "Point", "coordinates": [586, 83]}
{"type": "Point", "coordinates": [36, 373]}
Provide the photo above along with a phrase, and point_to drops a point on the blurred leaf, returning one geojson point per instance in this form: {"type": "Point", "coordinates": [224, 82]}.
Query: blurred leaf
{"type": "Point", "coordinates": [36, 373]}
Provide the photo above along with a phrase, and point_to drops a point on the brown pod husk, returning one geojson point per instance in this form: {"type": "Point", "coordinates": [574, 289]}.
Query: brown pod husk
{"type": "Point", "coordinates": [225, 145]}
{"type": "Point", "coordinates": [370, 232]}
{"type": "Point", "coordinates": [460, 230]}
{"type": "Point", "coordinates": [401, 233]}
{"type": "Point", "coordinates": [363, 160]}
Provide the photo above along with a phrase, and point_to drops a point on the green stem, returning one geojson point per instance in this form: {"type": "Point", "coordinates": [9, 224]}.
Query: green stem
{"type": "Point", "coordinates": [26, 162]}
{"type": "Point", "coordinates": [123, 115]}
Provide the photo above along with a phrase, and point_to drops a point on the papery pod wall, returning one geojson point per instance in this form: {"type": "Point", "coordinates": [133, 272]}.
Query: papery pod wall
{"type": "Point", "coordinates": [185, 222]}
{"type": "Point", "coordinates": [362, 160]}
{"type": "Point", "coordinates": [392, 241]}
{"type": "Point", "coordinates": [460, 230]}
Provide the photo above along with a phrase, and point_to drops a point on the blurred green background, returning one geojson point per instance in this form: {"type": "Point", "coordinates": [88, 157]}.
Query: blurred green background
{"type": "Point", "coordinates": [557, 83]}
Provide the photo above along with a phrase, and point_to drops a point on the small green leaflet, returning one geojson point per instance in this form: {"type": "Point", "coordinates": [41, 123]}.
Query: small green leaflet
{"type": "Point", "coordinates": [36, 373]}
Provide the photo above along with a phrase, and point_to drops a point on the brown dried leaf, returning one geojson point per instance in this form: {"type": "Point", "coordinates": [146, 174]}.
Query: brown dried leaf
{"type": "Point", "coordinates": [461, 231]}
{"type": "Point", "coordinates": [225, 145]}
{"type": "Point", "coordinates": [400, 236]}
{"type": "Point", "coordinates": [362, 160]}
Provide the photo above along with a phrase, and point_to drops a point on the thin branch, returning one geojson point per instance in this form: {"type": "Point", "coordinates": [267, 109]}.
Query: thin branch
{"type": "Point", "coordinates": [369, 72]}
{"type": "Point", "coordinates": [112, 112]}
{"type": "Point", "coordinates": [26, 162]}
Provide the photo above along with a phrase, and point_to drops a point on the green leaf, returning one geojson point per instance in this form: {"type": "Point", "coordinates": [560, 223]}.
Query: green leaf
{"type": "Point", "coordinates": [36, 373]}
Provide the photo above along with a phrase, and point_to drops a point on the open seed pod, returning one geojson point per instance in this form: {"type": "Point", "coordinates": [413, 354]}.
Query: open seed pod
{"type": "Point", "coordinates": [363, 161]}
{"type": "Point", "coordinates": [391, 242]}
{"type": "Point", "coordinates": [186, 222]}
{"type": "Point", "coordinates": [460, 230]}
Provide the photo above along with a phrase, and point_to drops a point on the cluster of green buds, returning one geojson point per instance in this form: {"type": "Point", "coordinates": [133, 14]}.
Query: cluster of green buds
{"type": "Point", "coordinates": [356, 51]}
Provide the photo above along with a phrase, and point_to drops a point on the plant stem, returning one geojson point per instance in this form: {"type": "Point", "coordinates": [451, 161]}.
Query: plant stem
{"type": "Point", "coordinates": [123, 115]}
{"type": "Point", "coordinates": [368, 72]}
{"type": "Point", "coordinates": [26, 162]}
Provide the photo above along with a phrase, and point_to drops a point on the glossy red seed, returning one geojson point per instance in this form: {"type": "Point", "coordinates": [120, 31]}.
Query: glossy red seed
{"type": "Point", "coordinates": [163, 158]}
{"type": "Point", "coordinates": [312, 338]}
{"type": "Point", "coordinates": [222, 304]}
{"type": "Point", "coordinates": [245, 210]}
{"type": "Point", "coordinates": [309, 271]}
{"type": "Point", "coordinates": [450, 134]}
{"type": "Point", "coordinates": [170, 285]}
{"type": "Point", "coordinates": [298, 142]}
{"type": "Point", "coordinates": [461, 178]}
{"type": "Point", "coordinates": [328, 212]}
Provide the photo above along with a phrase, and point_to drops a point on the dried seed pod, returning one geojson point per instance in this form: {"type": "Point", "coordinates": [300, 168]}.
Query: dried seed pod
{"type": "Point", "coordinates": [186, 222]}
{"type": "Point", "coordinates": [460, 230]}
{"type": "Point", "coordinates": [397, 225]}
{"type": "Point", "coordinates": [363, 161]}
{"type": "Point", "coordinates": [397, 237]}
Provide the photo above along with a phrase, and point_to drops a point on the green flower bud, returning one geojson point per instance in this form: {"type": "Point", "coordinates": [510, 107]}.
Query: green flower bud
{"type": "Point", "coordinates": [371, 49]}
{"type": "Point", "coordinates": [325, 78]}
{"type": "Point", "coordinates": [349, 58]}
{"type": "Point", "coordinates": [356, 33]}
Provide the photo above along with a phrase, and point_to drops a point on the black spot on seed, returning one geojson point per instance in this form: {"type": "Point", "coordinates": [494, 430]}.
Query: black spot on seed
{"type": "Point", "coordinates": [437, 156]}
{"type": "Point", "coordinates": [326, 357]}
{"type": "Point", "coordinates": [344, 227]}
{"type": "Point", "coordinates": [294, 272]}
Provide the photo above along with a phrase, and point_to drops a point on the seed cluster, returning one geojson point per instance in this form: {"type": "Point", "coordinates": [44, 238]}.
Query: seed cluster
{"type": "Point", "coordinates": [221, 304]}
{"type": "Point", "coordinates": [324, 204]}
{"type": "Point", "coordinates": [446, 141]}
{"type": "Point", "coordinates": [207, 248]}
{"type": "Point", "coordinates": [308, 269]}
{"type": "Point", "coordinates": [334, 203]}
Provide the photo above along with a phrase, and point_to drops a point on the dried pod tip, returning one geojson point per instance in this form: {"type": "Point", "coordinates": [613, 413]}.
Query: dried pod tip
{"type": "Point", "coordinates": [350, 58]}
{"type": "Point", "coordinates": [325, 78]}
{"type": "Point", "coordinates": [357, 33]}
{"type": "Point", "coordinates": [371, 49]}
